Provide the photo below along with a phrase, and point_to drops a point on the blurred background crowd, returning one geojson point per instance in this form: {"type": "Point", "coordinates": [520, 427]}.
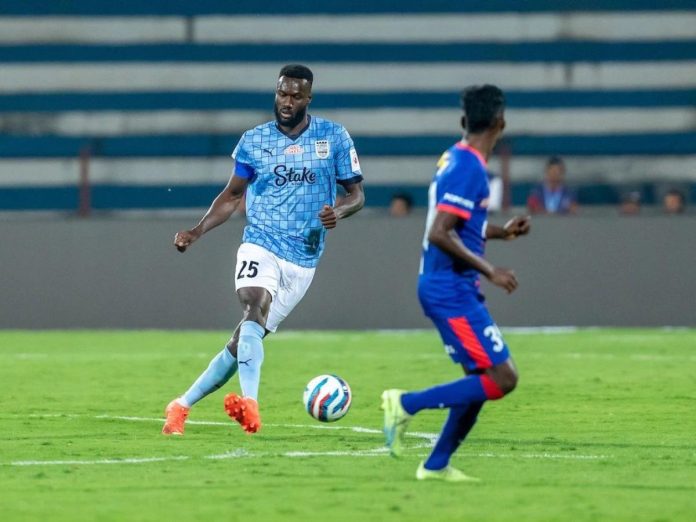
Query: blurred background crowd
{"type": "Point", "coordinates": [118, 106]}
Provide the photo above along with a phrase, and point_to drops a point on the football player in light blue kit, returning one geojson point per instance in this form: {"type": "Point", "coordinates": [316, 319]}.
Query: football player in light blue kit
{"type": "Point", "coordinates": [448, 288]}
{"type": "Point", "coordinates": [288, 169]}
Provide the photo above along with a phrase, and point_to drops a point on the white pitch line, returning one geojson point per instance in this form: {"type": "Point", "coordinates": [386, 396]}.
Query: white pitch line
{"type": "Point", "coordinates": [541, 456]}
{"type": "Point", "coordinates": [53, 415]}
{"type": "Point", "coordinates": [243, 453]}
{"type": "Point", "coordinates": [534, 330]}
{"type": "Point", "coordinates": [355, 429]}
{"type": "Point", "coordinates": [157, 419]}
{"type": "Point", "coordinates": [376, 452]}
{"type": "Point", "coordinates": [649, 357]}
{"type": "Point", "coordinates": [129, 460]}
{"type": "Point", "coordinates": [240, 453]}
{"type": "Point", "coordinates": [234, 454]}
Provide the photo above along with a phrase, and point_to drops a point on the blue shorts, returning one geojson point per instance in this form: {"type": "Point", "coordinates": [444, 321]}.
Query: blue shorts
{"type": "Point", "coordinates": [470, 335]}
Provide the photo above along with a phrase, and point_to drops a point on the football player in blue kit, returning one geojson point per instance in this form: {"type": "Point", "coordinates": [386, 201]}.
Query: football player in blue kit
{"type": "Point", "coordinates": [448, 289]}
{"type": "Point", "coordinates": [288, 169]}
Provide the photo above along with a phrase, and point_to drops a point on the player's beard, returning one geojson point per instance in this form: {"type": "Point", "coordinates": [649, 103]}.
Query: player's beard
{"type": "Point", "coordinates": [291, 122]}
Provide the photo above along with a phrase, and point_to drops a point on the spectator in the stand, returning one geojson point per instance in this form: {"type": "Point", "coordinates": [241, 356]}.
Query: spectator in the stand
{"type": "Point", "coordinates": [630, 204]}
{"type": "Point", "coordinates": [673, 202]}
{"type": "Point", "coordinates": [400, 205]}
{"type": "Point", "coordinates": [552, 196]}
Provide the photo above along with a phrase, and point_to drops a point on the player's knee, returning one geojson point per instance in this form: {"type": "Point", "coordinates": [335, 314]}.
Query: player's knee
{"type": "Point", "coordinates": [509, 382]}
{"type": "Point", "coordinates": [505, 376]}
{"type": "Point", "coordinates": [255, 313]}
{"type": "Point", "coordinates": [232, 346]}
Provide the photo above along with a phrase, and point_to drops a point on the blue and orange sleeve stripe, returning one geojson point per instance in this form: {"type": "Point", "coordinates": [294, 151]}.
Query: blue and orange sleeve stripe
{"type": "Point", "coordinates": [451, 209]}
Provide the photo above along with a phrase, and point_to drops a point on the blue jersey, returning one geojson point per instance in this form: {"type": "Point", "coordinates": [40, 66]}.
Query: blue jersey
{"type": "Point", "coordinates": [290, 180]}
{"type": "Point", "coordinates": [447, 288]}
{"type": "Point", "coordinates": [460, 187]}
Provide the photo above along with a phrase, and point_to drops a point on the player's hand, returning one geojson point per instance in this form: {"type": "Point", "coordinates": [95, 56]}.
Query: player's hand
{"type": "Point", "coordinates": [517, 226]}
{"type": "Point", "coordinates": [183, 239]}
{"type": "Point", "coordinates": [504, 278]}
{"type": "Point", "coordinates": [328, 217]}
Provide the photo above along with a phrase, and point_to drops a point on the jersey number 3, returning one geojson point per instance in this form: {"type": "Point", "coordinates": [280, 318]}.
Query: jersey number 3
{"type": "Point", "coordinates": [251, 267]}
{"type": "Point", "coordinates": [495, 336]}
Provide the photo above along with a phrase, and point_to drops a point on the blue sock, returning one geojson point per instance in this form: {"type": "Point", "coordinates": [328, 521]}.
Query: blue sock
{"type": "Point", "coordinates": [457, 426]}
{"type": "Point", "coordinates": [218, 372]}
{"type": "Point", "coordinates": [462, 392]}
{"type": "Point", "coordinates": [250, 357]}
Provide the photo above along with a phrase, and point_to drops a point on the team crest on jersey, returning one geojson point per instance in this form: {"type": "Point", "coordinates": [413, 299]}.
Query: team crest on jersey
{"type": "Point", "coordinates": [293, 150]}
{"type": "Point", "coordinates": [321, 147]}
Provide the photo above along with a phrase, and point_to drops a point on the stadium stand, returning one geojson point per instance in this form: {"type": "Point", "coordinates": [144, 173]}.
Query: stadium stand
{"type": "Point", "coordinates": [157, 93]}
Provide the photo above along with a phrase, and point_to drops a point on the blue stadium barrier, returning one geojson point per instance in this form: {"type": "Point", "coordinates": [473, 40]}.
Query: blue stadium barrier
{"type": "Point", "coordinates": [208, 145]}
{"type": "Point", "coordinates": [519, 52]}
{"type": "Point", "coordinates": [231, 100]}
{"type": "Point", "coordinates": [39, 198]}
{"type": "Point", "coordinates": [152, 197]}
{"type": "Point", "coordinates": [132, 196]}
{"type": "Point", "coordinates": [272, 7]}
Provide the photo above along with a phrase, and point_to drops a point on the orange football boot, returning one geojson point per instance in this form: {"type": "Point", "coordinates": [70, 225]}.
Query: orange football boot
{"type": "Point", "coordinates": [176, 417]}
{"type": "Point", "coordinates": [244, 410]}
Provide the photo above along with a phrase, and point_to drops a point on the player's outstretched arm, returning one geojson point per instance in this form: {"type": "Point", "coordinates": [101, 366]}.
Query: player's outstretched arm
{"type": "Point", "coordinates": [517, 226]}
{"type": "Point", "coordinates": [222, 208]}
{"type": "Point", "coordinates": [352, 203]}
{"type": "Point", "coordinates": [443, 235]}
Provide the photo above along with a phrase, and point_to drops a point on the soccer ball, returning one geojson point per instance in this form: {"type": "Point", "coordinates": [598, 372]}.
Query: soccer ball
{"type": "Point", "coordinates": [327, 398]}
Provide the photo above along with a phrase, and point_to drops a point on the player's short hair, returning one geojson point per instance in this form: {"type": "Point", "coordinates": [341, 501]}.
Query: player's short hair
{"type": "Point", "coordinates": [481, 104]}
{"type": "Point", "coordinates": [295, 70]}
{"type": "Point", "coordinates": [555, 160]}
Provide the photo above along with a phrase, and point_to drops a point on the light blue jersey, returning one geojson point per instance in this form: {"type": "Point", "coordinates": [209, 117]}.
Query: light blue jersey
{"type": "Point", "coordinates": [290, 180]}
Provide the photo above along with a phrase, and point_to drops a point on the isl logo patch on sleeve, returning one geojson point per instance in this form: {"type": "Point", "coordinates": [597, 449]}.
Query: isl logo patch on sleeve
{"type": "Point", "coordinates": [354, 161]}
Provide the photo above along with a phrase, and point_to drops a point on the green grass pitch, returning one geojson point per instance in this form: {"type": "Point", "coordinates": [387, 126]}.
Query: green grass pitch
{"type": "Point", "coordinates": [601, 427]}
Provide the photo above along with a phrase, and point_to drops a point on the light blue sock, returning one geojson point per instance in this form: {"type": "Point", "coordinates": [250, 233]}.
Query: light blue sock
{"type": "Point", "coordinates": [250, 357]}
{"type": "Point", "coordinates": [218, 372]}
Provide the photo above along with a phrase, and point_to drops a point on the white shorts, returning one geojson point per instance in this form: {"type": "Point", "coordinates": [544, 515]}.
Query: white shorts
{"type": "Point", "coordinates": [286, 282]}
